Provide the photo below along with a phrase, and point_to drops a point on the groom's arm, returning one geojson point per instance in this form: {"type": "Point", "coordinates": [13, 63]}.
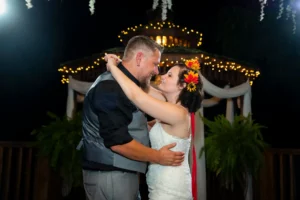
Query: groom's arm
{"type": "Point", "coordinates": [137, 151]}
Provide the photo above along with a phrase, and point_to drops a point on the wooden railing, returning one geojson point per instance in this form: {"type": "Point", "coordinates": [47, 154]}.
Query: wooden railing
{"type": "Point", "coordinates": [16, 170]}
{"type": "Point", "coordinates": [277, 180]}
{"type": "Point", "coordinates": [24, 177]}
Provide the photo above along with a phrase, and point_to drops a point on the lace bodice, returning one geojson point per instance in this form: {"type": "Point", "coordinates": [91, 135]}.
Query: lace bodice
{"type": "Point", "coordinates": [168, 182]}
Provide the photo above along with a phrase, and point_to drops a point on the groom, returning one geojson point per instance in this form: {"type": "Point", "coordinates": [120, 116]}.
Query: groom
{"type": "Point", "coordinates": [115, 136]}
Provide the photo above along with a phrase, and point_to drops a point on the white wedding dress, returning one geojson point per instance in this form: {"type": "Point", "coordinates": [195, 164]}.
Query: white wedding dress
{"type": "Point", "coordinates": [168, 182]}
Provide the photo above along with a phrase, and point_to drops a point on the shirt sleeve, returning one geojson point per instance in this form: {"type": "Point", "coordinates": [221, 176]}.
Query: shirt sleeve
{"type": "Point", "coordinates": [114, 112]}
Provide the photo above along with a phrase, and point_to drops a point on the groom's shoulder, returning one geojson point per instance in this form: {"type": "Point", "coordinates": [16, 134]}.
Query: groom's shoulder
{"type": "Point", "coordinates": [107, 89]}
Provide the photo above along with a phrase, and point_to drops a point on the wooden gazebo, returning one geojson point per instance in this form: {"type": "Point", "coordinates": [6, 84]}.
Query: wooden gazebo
{"type": "Point", "coordinates": [180, 43]}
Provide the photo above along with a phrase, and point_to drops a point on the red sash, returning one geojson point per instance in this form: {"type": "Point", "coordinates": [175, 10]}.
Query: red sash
{"type": "Point", "coordinates": [194, 158]}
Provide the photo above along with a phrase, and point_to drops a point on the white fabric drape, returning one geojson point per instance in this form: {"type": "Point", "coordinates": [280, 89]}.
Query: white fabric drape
{"type": "Point", "coordinates": [224, 93]}
{"type": "Point", "coordinates": [79, 86]}
{"type": "Point", "coordinates": [70, 102]}
{"type": "Point", "coordinates": [210, 102]}
{"type": "Point", "coordinates": [217, 93]}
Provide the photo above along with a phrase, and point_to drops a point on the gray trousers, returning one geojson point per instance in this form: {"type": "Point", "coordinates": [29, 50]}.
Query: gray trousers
{"type": "Point", "coordinates": [110, 185]}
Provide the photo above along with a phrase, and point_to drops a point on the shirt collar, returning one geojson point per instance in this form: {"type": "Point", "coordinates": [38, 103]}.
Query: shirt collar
{"type": "Point", "coordinates": [128, 74]}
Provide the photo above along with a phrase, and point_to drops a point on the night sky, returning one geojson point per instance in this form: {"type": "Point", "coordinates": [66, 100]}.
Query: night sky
{"type": "Point", "coordinates": [34, 42]}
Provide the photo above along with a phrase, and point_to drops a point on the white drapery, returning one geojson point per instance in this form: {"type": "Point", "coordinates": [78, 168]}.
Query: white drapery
{"type": "Point", "coordinates": [78, 86]}
{"type": "Point", "coordinates": [217, 93]}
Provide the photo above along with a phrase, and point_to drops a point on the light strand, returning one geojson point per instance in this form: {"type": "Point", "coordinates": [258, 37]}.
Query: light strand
{"type": "Point", "coordinates": [155, 4]}
{"type": "Point", "coordinates": [165, 5]}
{"type": "Point", "coordinates": [281, 8]}
{"type": "Point", "coordinates": [92, 6]}
{"type": "Point", "coordinates": [164, 8]}
{"type": "Point", "coordinates": [294, 21]}
{"type": "Point", "coordinates": [287, 6]}
{"type": "Point", "coordinates": [28, 4]}
{"type": "Point", "coordinates": [288, 11]}
{"type": "Point", "coordinates": [215, 64]}
{"type": "Point", "coordinates": [262, 8]}
{"type": "Point", "coordinates": [160, 26]}
{"type": "Point", "coordinates": [169, 4]}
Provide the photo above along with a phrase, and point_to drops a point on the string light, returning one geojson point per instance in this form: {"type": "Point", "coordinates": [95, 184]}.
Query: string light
{"type": "Point", "coordinates": [169, 60]}
{"type": "Point", "coordinates": [165, 40]}
{"type": "Point", "coordinates": [28, 4]}
{"type": "Point", "coordinates": [287, 6]}
{"type": "Point", "coordinates": [92, 6]}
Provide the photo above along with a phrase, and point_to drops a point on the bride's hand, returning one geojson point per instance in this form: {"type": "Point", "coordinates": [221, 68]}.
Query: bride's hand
{"type": "Point", "coordinates": [112, 60]}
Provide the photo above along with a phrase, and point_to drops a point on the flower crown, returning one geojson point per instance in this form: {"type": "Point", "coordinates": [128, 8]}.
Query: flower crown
{"type": "Point", "coordinates": [192, 77]}
{"type": "Point", "coordinates": [192, 64]}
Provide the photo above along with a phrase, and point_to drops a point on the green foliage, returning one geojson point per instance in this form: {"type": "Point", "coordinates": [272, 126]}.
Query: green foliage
{"type": "Point", "coordinates": [57, 141]}
{"type": "Point", "coordinates": [233, 149]}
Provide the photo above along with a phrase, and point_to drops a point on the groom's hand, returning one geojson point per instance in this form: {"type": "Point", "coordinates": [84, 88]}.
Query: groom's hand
{"type": "Point", "coordinates": [168, 157]}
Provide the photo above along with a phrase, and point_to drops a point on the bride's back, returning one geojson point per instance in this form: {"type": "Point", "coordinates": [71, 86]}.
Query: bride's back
{"type": "Point", "coordinates": [168, 182]}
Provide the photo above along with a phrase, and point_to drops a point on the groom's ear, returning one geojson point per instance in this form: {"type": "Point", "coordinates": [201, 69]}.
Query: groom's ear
{"type": "Point", "coordinates": [138, 58]}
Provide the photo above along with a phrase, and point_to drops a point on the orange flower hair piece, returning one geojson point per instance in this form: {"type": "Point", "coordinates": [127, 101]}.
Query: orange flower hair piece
{"type": "Point", "coordinates": [191, 78]}
{"type": "Point", "coordinates": [192, 64]}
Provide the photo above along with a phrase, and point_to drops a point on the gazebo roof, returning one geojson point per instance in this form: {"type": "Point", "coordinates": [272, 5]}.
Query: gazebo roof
{"type": "Point", "coordinates": [180, 43]}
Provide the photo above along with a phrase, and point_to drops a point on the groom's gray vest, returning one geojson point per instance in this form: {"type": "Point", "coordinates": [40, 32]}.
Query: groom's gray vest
{"type": "Point", "coordinates": [94, 149]}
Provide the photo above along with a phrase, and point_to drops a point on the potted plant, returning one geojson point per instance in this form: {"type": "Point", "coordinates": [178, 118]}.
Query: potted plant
{"type": "Point", "coordinates": [57, 142]}
{"type": "Point", "coordinates": [233, 150]}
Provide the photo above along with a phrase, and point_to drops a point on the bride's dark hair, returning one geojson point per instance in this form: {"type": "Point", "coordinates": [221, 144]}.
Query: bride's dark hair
{"type": "Point", "coordinates": [189, 99]}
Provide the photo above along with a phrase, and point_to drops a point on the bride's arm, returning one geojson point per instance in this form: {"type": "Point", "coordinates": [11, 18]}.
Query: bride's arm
{"type": "Point", "coordinates": [152, 91]}
{"type": "Point", "coordinates": [163, 111]}
{"type": "Point", "coordinates": [155, 93]}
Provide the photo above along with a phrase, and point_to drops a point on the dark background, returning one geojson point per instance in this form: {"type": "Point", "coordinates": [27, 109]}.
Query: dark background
{"type": "Point", "coordinates": [34, 42]}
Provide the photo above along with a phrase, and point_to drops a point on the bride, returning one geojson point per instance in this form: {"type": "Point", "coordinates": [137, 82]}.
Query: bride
{"type": "Point", "coordinates": [181, 87]}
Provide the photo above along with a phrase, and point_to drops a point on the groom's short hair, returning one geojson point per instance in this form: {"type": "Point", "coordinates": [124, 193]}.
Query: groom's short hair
{"type": "Point", "coordinates": [140, 42]}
